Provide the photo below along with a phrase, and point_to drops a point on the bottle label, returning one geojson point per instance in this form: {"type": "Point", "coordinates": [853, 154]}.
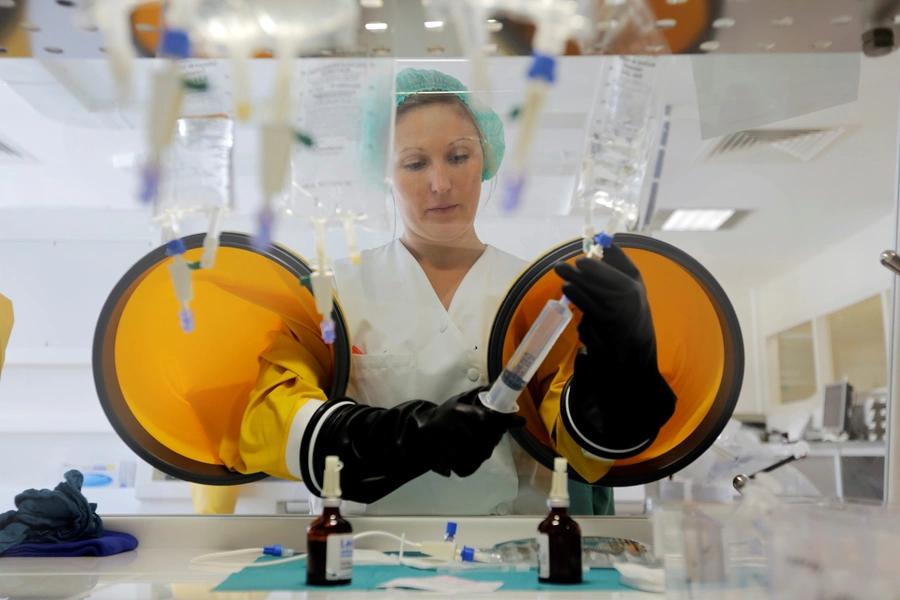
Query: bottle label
{"type": "Point", "coordinates": [543, 555]}
{"type": "Point", "coordinates": [339, 557]}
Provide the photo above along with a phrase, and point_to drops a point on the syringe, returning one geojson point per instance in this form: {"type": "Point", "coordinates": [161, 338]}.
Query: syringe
{"type": "Point", "coordinates": [540, 78]}
{"type": "Point", "coordinates": [555, 22]}
{"type": "Point", "coordinates": [113, 18]}
{"type": "Point", "coordinates": [528, 357]}
{"type": "Point", "coordinates": [168, 93]}
{"type": "Point", "coordinates": [277, 140]}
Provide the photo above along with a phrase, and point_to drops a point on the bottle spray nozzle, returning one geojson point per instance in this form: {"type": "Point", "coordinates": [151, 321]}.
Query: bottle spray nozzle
{"type": "Point", "coordinates": [559, 492]}
{"type": "Point", "coordinates": [331, 487]}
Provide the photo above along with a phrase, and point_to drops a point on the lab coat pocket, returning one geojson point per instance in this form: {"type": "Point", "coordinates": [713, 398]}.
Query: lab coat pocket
{"type": "Point", "coordinates": [383, 380]}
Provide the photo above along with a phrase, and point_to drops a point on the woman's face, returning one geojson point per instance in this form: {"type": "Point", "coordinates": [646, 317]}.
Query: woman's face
{"type": "Point", "coordinates": [437, 171]}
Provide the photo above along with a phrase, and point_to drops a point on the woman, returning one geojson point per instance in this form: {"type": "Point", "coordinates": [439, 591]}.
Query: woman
{"type": "Point", "coordinates": [411, 433]}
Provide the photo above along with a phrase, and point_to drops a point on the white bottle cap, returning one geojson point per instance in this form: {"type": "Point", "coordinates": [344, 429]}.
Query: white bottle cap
{"type": "Point", "coordinates": [331, 488]}
{"type": "Point", "coordinates": [559, 492]}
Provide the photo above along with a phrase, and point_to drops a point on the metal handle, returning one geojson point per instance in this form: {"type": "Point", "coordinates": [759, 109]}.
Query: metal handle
{"type": "Point", "coordinates": [890, 260]}
{"type": "Point", "coordinates": [741, 481]}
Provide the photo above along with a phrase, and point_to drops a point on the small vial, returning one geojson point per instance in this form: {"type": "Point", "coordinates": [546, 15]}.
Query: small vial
{"type": "Point", "coordinates": [329, 539]}
{"type": "Point", "coordinates": [559, 536]}
{"type": "Point", "coordinates": [450, 535]}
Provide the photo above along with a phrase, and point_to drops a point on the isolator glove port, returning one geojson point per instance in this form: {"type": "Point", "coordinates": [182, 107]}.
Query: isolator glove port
{"type": "Point", "coordinates": [617, 400]}
{"type": "Point", "coordinates": [385, 448]}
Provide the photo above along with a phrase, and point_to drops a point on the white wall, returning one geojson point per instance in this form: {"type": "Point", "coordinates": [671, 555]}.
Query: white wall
{"type": "Point", "coordinates": [847, 272]}
{"type": "Point", "coordinates": [743, 301]}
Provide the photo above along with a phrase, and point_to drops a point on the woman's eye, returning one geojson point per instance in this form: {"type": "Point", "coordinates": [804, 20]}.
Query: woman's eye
{"type": "Point", "coordinates": [415, 166]}
{"type": "Point", "coordinates": [460, 158]}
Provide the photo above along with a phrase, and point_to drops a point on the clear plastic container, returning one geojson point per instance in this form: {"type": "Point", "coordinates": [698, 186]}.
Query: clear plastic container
{"type": "Point", "coordinates": [726, 550]}
{"type": "Point", "coordinates": [528, 357]}
{"type": "Point", "coordinates": [834, 551]}
{"type": "Point", "coordinates": [692, 542]}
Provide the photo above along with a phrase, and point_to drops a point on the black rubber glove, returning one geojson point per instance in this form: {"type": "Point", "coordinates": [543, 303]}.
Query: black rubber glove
{"type": "Point", "coordinates": [382, 449]}
{"type": "Point", "coordinates": [617, 400]}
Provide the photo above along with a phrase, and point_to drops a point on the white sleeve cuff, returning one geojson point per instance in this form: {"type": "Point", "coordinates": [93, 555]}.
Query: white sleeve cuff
{"type": "Point", "coordinates": [588, 445]}
{"type": "Point", "coordinates": [295, 436]}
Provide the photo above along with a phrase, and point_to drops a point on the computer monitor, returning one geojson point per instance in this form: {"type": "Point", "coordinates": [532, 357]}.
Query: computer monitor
{"type": "Point", "coordinates": [838, 402]}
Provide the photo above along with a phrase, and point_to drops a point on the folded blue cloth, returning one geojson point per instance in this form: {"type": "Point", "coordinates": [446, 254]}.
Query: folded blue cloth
{"type": "Point", "coordinates": [292, 576]}
{"type": "Point", "coordinates": [111, 542]}
{"type": "Point", "coordinates": [44, 516]}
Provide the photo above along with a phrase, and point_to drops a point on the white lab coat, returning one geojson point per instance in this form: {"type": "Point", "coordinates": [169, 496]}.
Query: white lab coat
{"type": "Point", "coordinates": [415, 349]}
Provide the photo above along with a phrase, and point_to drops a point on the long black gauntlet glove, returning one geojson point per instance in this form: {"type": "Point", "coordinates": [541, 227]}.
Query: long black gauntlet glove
{"type": "Point", "coordinates": [617, 400]}
{"type": "Point", "coordinates": [382, 449]}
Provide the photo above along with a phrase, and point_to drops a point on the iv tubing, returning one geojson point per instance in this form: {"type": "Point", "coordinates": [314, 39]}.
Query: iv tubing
{"type": "Point", "coordinates": [211, 241]}
{"type": "Point", "coordinates": [277, 140]}
{"type": "Point", "coordinates": [241, 71]}
{"type": "Point", "coordinates": [528, 357]}
{"type": "Point", "coordinates": [323, 285]}
{"type": "Point", "coordinates": [350, 234]}
{"type": "Point", "coordinates": [208, 560]}
{"type": "Point", "coordinates": [540, 78]}
{"type": "Point", "coordinates": [179, 272]}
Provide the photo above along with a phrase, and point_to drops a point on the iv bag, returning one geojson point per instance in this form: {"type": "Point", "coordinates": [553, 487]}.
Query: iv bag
{"type": "Point", "coordinates": [622, 131]}
{"type": "Point", "coordinates": [197, 169]}
{"type": "Point", "coordinates": [344, 118]}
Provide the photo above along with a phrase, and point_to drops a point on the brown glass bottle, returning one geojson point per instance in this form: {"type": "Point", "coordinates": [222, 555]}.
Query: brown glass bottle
{"type": "Point", "coordinates": [329, 547]}
{"type": "Point", "coordinates": [559, 548]}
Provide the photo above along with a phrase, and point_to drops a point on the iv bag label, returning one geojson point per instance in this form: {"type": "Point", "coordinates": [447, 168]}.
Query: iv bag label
{"type": "Point", "coordinates": [543, 555]}
{"type": "Point", "coordinates": [339, 557]}
{"type": "Point", "coordinates": [341, 105]}
{"type": "Point", "coordinates": [197, 168]}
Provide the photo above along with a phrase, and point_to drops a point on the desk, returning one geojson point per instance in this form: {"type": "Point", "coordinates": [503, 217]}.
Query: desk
{"type": "Point", "coordinates": [159, 569]}
{"type": "Point", "coordinates": [844, 470]}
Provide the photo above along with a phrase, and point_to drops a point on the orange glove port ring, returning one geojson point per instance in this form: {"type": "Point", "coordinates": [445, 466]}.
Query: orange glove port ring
{"type": "Point", "coordinates": [699, 345]}
{"type": "Point", "coordinates": [175, 399]}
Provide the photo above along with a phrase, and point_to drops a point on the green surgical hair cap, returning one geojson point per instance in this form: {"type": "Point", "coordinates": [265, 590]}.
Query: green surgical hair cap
{"type": "Point", "coordinates": [413, 81]}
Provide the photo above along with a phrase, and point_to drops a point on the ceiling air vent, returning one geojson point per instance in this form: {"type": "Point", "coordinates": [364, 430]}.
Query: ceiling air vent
{"type": "Point", "coordinates": [771, 145]}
